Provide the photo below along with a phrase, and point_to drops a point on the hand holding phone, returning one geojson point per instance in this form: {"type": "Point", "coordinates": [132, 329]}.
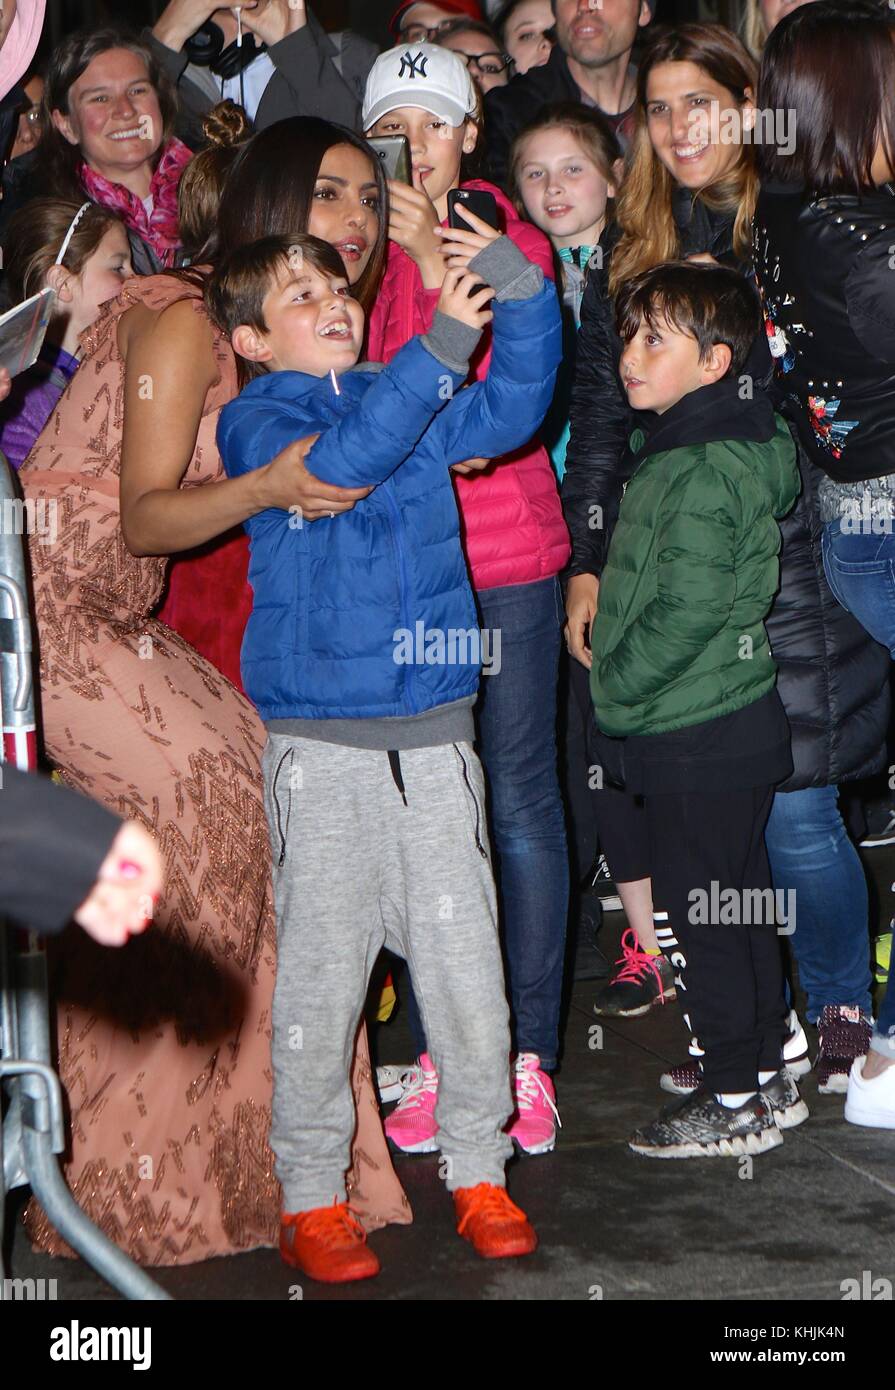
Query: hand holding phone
{"type": "Point", "coordinates": [465, 298]}
{"type": "Point", "coordinates": [412, 224]}
{"type": "Point", "coordinates": [467, 232]}
{"type": "Point", "coordinates": [478, 201]}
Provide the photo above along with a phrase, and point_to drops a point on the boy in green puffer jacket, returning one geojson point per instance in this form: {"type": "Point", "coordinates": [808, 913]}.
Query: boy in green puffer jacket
{"type": "Point", "coordinates": [682, 670]}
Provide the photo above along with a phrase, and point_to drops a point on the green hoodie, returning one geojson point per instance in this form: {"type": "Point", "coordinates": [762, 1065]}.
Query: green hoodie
{"type": "Point", "coordinates": [693, 567]}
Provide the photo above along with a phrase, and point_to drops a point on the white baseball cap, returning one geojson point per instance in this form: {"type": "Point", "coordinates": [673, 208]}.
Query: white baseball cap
{"type": "Point", "coordinates": [422, 75]}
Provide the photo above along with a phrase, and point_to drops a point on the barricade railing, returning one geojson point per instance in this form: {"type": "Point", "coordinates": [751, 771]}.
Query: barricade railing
{"type": "Point", "coordinates": [32, 1126]}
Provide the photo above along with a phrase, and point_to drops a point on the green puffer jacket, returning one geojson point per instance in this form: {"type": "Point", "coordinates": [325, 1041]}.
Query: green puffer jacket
{"type": "Point", "coordinates": [692, 569]}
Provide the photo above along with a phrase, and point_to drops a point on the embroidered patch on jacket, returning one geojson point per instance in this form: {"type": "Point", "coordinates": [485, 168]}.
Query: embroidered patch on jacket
{"type": "Point", "coordinates": [830, 432]}
{"type": "Point", "coordinates": [782, 350]}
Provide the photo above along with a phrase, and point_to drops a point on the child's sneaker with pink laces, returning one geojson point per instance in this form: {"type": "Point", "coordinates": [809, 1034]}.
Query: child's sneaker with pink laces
{"type": "Point", "coordinates": [641, 982]}
{"type": "Point", "coordinates": [535, 1119]}
{"type": "Point", "coordinates": [411, 1127]}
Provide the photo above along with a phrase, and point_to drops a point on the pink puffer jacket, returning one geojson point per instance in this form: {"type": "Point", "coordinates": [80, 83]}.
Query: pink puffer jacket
{"type": "Point", "coordinates": [510, 514]}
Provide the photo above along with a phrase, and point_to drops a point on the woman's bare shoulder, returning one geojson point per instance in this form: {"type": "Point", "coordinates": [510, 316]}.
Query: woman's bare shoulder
{"type": "Point", "coordinates": [180, 332]}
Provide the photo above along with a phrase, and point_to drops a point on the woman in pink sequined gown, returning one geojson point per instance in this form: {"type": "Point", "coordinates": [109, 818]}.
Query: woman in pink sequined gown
{"type": "Point", "coordinates": [164, 1047]}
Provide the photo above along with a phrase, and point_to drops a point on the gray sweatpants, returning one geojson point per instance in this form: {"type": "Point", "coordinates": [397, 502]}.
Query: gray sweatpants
{"type": "Point", "coordinates": [356, 869]}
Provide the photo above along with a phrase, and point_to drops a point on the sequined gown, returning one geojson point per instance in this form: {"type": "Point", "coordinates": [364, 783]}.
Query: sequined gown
{"type": "Point", "coordinates": [164, 1046]}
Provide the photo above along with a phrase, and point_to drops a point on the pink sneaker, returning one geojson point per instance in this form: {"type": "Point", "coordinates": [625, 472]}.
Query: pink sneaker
{"type": "Point", "coordinates": [533, 1127]}
{"type": "Point", "coordinates": [411, 1126]}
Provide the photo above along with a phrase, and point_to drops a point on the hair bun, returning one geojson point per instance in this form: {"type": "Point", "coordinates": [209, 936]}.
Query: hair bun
{"type": "Point", "coordinates": [226, 124]}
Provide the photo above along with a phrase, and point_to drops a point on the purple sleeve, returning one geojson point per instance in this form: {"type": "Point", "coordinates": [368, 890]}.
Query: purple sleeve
{"type": "Point", "coordinates": [24, 413]}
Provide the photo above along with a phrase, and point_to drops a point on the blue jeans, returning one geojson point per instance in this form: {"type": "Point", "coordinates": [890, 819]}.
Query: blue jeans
{"type": "Point", "coordinates": [812, 856]}
{"type": "Point", "coordinates": [860, 570]}
{"type": "Point", "coordinates": [516, 718]}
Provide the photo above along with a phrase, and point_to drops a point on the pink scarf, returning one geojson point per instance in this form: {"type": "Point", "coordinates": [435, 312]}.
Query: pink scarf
{"type": "Point", "coordinates": [158, 228]}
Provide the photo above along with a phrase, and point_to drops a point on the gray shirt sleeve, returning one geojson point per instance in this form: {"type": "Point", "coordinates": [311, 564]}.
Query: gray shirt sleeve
{"type": "Point", "coordinates": [451, 342]}
{"type": "Point", "coordinates": [503, 266]}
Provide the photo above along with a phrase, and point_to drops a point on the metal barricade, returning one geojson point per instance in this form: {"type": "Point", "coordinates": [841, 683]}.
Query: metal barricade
{"type": "Point", "coordinates": [32, 1131]}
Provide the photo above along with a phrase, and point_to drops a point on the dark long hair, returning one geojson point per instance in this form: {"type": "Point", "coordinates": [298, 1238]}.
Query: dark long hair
{"type": "Point", "coordinates": [833, 64]}
{"type": "Point", "coordinates": [56, 160]}
{"type": "Point", "coordinates": [269, 191]}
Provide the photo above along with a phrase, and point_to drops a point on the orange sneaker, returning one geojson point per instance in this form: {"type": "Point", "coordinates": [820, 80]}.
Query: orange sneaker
{"type": "Point", "coordinates": [493, 1225]}
{"type": "Point", "coordinates": [328, 1244]}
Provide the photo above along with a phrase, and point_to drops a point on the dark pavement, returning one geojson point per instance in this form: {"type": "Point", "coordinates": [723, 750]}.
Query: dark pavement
{"type": "Point", "coordinates": [793, 1224]}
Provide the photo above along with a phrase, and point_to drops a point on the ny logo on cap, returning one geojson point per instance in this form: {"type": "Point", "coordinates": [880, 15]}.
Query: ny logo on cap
{"type": "Point", "coordinates": [415, 66]}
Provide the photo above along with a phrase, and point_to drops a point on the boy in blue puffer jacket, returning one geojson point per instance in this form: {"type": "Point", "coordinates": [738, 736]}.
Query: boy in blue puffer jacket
{"type": "Point", "coordinates": [362, 654]}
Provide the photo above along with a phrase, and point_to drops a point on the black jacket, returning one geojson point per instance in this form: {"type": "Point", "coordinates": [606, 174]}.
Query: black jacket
{"type": "Point", "coordinates": [601, 418]}
{"type": "Point", "coordinates": [824, 266]}
{"type": "Point", "coordinates": [833, 678]}
{"type": "Point", "coordinates": [509, 108]}
{"type": "Point", "coordinates": [314, 77]}
{"type": "Point", "coordinates": [52, 842]}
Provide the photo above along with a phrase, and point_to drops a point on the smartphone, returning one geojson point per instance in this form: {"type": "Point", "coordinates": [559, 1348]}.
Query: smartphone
{"type": "Point", "coordinates": [483, 204]}
{"type": "Point", "coordinates": [394, 153]}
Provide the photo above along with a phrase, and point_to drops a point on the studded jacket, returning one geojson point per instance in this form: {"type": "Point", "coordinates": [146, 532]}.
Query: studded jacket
{"type": "Point", "coordinates": [826, 270]}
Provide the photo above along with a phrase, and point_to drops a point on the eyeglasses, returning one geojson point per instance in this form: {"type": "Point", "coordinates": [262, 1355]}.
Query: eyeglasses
{"type": "Point", "coordinates": [490, 64]}
{"type": "Point", "coordinates": [420, 33]}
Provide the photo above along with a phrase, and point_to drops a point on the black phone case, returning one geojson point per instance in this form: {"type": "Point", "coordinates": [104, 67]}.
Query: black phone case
{"type": "Point", "coordinates": [479, 201]}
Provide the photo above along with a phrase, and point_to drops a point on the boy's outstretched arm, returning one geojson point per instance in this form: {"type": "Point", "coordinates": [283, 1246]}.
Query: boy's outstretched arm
{"type": "Point", "coordinates": [696, 591]}
{"type": "Point", "coordinates": [501, 413]}
{"type": "Point", "coordinates": [369, 442]}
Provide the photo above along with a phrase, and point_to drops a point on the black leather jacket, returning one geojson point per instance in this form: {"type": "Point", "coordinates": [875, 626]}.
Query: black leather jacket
{"type": "Point", "coordinates": [826, 270]}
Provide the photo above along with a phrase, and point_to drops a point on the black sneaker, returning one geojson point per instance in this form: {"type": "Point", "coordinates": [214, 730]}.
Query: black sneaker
{"type": "Point", "coordinates": [700, 1127]}
{"type": "Point", "coordinates": [782, 1095]}
{"type": "Point", "coordinates": [641, 982]}
{"type": "Point", "coordinates": [602, 883]}
{"type": "Point", "coordinates": [587, 960]}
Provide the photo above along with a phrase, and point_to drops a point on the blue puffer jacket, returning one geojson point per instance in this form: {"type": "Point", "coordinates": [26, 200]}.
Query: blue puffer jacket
{"type": "Point", "coordinates": [332, 597]}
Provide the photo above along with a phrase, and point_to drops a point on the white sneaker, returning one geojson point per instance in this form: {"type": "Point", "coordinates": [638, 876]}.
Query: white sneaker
{"type": "Point", "coordinates": [885, 835]}
{"type": "Point", "coordinates": [393, 1082]}
{"type": "Point", "coordinates": [870, 1103]}
{"type": "Point", "coordinates": [684, 1080]}
{"type": "Point", "coordinates": [603, 884]}
{"type": "Point", "coordinates": [795, 1047]}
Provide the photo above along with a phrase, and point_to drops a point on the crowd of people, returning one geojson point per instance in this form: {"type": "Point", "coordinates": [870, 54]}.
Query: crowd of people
{"type": "Point", "coordinates": [427, 539]}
